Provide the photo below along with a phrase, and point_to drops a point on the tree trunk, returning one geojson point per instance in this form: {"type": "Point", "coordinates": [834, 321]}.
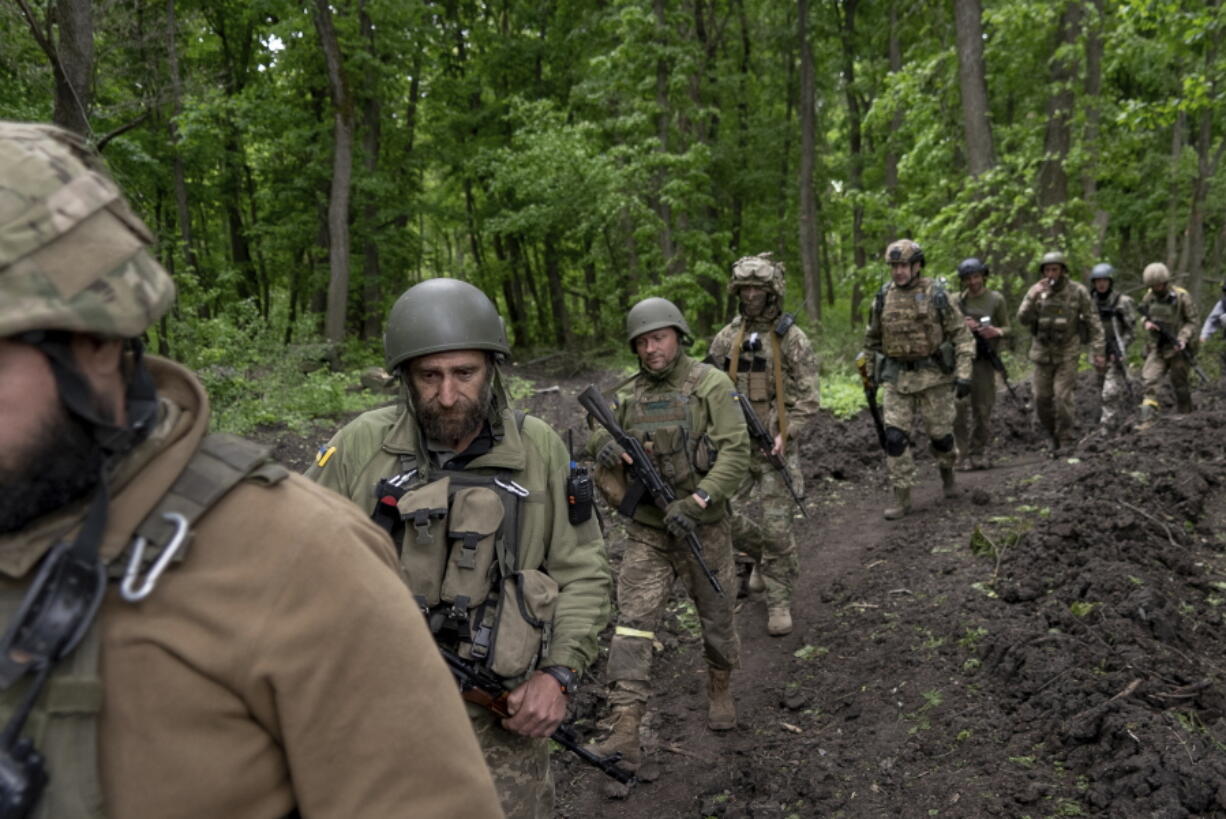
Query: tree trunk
{"type": "Point", "coordinates": [372, 112]}
{"type": "Point", "coordinates": [972, 82]}
{"type": "Point", "coordinates": [896, 122]}
{"type": "Point", "coordinates": [1178, 136]}
{"type": "Point", "coordinates": [661, 207]}
{"type": "Point", "coordinates": [1052, 178]}
{"type": "Point", "coordinates": [557, 298]}
{"type": "Point", "coordinates": [856, 158]}
{"type": "Point", "coordinates": [71, 56]}
{"type": "Point", "coordinates": [1093, 109]}
{"type": "Point", "coordinates": [182, 202]}
{"type": "Point", "coordinates": [808, 149]}
{"type": "Point", "coordinates": [342, 171]}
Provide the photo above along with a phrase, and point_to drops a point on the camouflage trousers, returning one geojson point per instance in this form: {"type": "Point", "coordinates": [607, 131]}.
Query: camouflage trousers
{"type": "Point", "coordinates": [936, 405]}
{"type": "Point", "coordinates": [1115, 394]}
{"type": "Point", "coordinates": [1055, 386]}
{"type": "Point", "coordinates": [973, 416]}
{"type": "Point", "coordinates": [519, 765]}
{"type": "Point", "coordinates": [1157, 367]}
{"type": "Point", "coordinates": [652, 561]}
{"type": "Point", "coordinates": [762, 516]}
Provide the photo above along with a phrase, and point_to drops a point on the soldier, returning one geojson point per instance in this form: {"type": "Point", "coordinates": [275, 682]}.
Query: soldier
{"type": "Point", "coordinates": [475, 495]}
{"type": "Point", "coordinates": [1216, 321]}
{"type": "Point", "coordinates": [772, 364]}
{"type": "Point", "coordinates": [923, 355]}
{"type": "Point", "coordinates": [986, 317]}
{"type": "Point", "coordinates": [261, 656]}
{"type": "Point", "coordinates": [1118, 313]}
{"type": "Point", "coordinates": [1171, 319]}
{"type": "Point", "coordinates": [684, 411]}
{"type": "Point", "coordinates": [1061, 318]}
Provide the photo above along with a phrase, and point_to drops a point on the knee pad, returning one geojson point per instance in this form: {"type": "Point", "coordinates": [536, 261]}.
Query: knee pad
{"type": "Point", "coordinates": [895, 441]}
{"type": "Point", "coordinates": [943, 444]}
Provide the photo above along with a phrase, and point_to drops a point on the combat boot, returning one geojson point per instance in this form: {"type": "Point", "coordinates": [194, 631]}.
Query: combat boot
{"type": "Point", "coordinates": [902, 498]}
{"type": "Point", "coordinates": [756, 584]}
{"type": "Point", "coordinates": [1149, 414]}
{"type": "Point", "coordinates": [721, 710]}
{"type": "Point", "coordinates": [778, 621]}
{"type": "Point", "coordinates": [623, 736]}
{"type": "Point", "coordinates": [948, 487]}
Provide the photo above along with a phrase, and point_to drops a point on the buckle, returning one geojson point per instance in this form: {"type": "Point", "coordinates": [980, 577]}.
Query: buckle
{"type": "Point", "coordinates": [134, 588]}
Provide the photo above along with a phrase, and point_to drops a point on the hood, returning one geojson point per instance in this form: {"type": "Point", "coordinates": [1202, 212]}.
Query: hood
{"type": "Point", "coordinates": [136, 484]}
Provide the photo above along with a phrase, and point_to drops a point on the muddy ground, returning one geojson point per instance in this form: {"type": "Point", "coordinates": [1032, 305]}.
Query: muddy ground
{"type": "Point", "coordinates": [1048, 644]}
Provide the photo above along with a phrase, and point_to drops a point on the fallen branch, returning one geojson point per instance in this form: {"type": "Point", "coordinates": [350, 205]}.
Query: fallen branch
{"type": "Point", "coordinates": [1143, 513]}
{"type": "Point", "coordinates": [677, 749]}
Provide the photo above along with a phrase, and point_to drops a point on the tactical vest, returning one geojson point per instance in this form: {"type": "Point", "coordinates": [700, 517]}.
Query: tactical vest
{"type": "Point", "coordinates": [63, 725]}
{"type": "Point", "coordinates": [661, 421]}
{"type": "Point", "coordinates": [1057, 317]}
{"type": "Point", "coordinates": [1164, 310]}
{"type": "Point", "coordinates": [911, 320]}
{"type": "Point", "coordinates": [458, 539]}
{"type": "Point", "coordinates": [1107, 307]}
{"type": "Point", "coordinates": [758, 375]}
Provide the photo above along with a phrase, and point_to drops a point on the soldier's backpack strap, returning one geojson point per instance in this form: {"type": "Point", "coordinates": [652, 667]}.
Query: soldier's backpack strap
{"type": "Point", "coordinates": [879, 301]}
{"type": "Point", "coordinates": [218, 465]}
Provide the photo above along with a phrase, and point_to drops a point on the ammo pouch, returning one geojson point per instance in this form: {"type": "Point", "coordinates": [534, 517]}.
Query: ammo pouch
{"type": "Point", "coordinates": [459, 552]}
{"type": "Point", "coordinates": [946, 357]}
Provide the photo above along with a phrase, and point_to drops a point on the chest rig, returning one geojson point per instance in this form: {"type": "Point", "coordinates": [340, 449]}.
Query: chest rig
{"type": "Point", "coordinates": [1057, 318]}
{"type": "Point", "coordinates": [457, 534]}
{"type": "Point", "coordinates": [747, 366]}
{"type": "Point", "coordinates": [911, 320]}
{"type": "Point", "coordinates": [1164, 310]}
{"type": "Point", "coordinates": [660, 419]}
{"type": "Point", "coordinates": [50, 704]}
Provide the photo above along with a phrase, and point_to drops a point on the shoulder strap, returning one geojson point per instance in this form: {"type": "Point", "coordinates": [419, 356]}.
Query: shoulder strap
{"type": "Point", "coordinates": [697, 372]}
{"type": "Point", "coordinates": [879, 302]}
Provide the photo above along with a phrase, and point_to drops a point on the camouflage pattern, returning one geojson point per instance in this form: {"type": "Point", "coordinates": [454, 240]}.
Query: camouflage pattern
{"type": "Point", "coordinates": [758, 271]}
{"type": "Point", "coordinates": [903, 250]}
{"type": "Point", "coordinates": [936, 405]}
{"type": "Point", "coordinates": [1055, 387]}
{"type": "Point", "coordinates": [519, 765]}
{"type": "Point", "coordinates": [72, 253]}
{"type": "Point", "coordinates": [973, 418]}
{"type": "Point", "coordinates": [1118, 313]}
{"type": "Point", "coordinates": [763, 509]}
{"type": "Point", "coordinates": [653, 561]}
{"type": "Point", "coordinates": [1176, 312]}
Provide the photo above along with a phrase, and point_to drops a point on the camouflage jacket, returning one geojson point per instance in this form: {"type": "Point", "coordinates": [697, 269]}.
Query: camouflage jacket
{"type": "Point", "coordinates": [1060, 321]}
{"type": "Point", "coordinates": [943, 323]}
{"type": "Point", "coordinates": [756, 373]}
{"type": "Point", "coordinates": [1175, 312]}
{"type": "Point", "coordinates": [1118, 313]}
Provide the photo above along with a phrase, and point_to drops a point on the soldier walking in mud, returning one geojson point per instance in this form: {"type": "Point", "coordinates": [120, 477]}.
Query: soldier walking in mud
{"type": "Point", "coordinates": [987, 318]}
{"type": "Point", "coordinates": [923, 354]}
{"type": "Point", "coordinates": [1171, 320]}
{"type": "Point", "coordinates": [772, 364]}
{"type": "Point", "coordinates": [1215, 322]}
{"type": "Point", "coordinates": [1118, 313]}
{"type": "Point", "coordinates": [1061, 317]}
{"type": "Point", "coordinates": [684, 413]}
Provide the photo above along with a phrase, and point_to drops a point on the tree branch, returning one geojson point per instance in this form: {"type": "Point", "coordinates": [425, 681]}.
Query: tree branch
{"type": "Point", "coordinates": [121, 130]}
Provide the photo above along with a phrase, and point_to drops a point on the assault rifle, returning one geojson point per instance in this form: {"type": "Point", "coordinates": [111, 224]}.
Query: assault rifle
{"type": "Point", "coordinates": [1166, 337]}
{"type": "Point", "coordinates": [870, 395]}
{"type": "Point", "coordinates": [1115, 347]}
{"type": "Point", "coordinates": [482, 688]}
{"type": "Point", "coordinates": [647, 480]}
{"type": "Point", "coordinates": [765, 442]}
{"type": "Point", "coordinates": [985, 350]}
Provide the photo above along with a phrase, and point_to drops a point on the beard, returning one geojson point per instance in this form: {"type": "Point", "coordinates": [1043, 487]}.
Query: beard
{"type": "Point", "coordinates": [63, 464]}
{"type": "Point", "coordinates": [457, 422]}
{"type": "Point", "coordinates": [753, 306]}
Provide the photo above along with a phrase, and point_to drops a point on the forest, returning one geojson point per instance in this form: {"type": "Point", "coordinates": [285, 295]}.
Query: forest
{"type": "Point", "coordinates": [303, 163]}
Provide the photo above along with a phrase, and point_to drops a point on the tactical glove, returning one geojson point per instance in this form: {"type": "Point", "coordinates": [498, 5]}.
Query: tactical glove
{"type": "Point", "coordinates": [610, 455]}
{"type": "Point", "coordinates": [962, 387]}
{"type": "Point", "coordinates": [681, 516]}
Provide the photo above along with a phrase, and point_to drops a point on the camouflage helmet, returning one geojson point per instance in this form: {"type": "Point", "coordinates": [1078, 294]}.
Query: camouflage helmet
{"type": "Point", "coordinates": [73, 255]}
{"type": "Point", "coordinates": [1102, 270]}
{"type": "Point", "coordinates": [653, 314]}
{"type": "Point", "coordinates": [440, 315]}
{"type": "Point", "coordinates": [1155, 273]}
{"type": "Point", "coordinates": [971, 266]}
{"type": "Point", "coordinates": [1053, 257]}
{"type": "Point", "coordinates": [904, 250]}
{"type": "Point", "coordinates": [758, 271]}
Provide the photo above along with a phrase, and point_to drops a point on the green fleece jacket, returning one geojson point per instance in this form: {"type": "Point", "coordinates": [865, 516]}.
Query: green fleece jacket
{"type": "Point", "coordinates": [370, 447]}
{"type": "Point", "coordinates": [712, 412]}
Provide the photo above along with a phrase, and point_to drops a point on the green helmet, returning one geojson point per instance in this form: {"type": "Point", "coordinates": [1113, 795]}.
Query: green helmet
{"type": "Point", "coordinates": [439, 315]}
{"type": "Point", "coordinates": [1155, 273]}
{"type": "Point", "coordinates": [1053, 257]}
{"type": "Point", "coordinates": [758, 271]}
{"type": "Point", "coordinates": [904, 250]}
{"type": "Point", "coordinates": [73, 255]}
{"type": "Point", "coordinates": [1102, 270]}
{"type": "Point", "coordinates": [652, 314]}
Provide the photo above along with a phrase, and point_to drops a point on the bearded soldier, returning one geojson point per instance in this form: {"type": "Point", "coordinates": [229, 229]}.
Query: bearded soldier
{"type": "Point", "coordinates": [1061, 318]}
{"type": "Point", "coordinates": [1118, 313]}
{"type": "Point", "coordinates": [474, 493]}
{"type": "Point", "coordinates": [923, 355]}
{"type": "Point", "coordinates": [1171, 320]}
{"type": "Point", "coordinates": [261, 656]}
{"type": "Point", "coordinates": [684, 412]}
{"type": "Point", "coordinates": [987, 318]}
{"type": "Point", "coordinates": [772, 364]}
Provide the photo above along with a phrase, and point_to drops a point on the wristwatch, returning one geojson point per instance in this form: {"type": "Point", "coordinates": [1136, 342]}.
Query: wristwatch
{"type": "Point", "coordinates": [568, 678]}
{"type": "Point", "coordinates": [704, 495]}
